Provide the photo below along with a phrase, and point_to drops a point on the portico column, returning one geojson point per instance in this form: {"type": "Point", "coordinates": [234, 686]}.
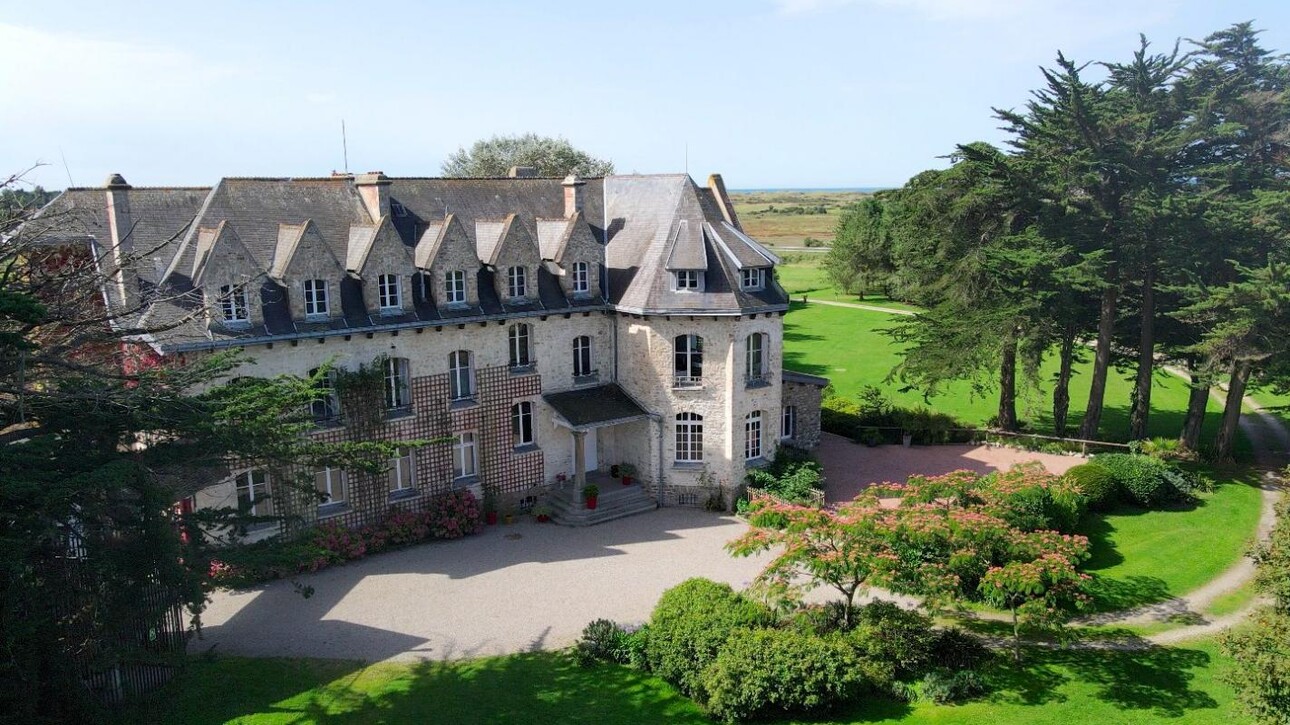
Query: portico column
{"type": "Point", "coordinates": [579, 459]}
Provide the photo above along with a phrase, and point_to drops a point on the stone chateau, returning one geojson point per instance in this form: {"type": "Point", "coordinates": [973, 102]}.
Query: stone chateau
{"type": "Point", "coordinates": [539, 330]}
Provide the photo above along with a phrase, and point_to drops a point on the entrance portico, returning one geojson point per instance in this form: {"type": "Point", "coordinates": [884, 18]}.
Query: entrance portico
{"type": "Point", "coordinates": [586, 411]}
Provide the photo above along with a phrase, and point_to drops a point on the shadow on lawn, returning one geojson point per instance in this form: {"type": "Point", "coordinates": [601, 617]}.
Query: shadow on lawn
{"type": "Point", "coordinates": [1156, 678]}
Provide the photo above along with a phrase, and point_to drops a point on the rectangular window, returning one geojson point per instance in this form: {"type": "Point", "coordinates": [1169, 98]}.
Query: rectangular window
{"type": "Point", "coordinates": [688, 361]}
{"type": "Point", "coordinates": [465, 458]}
{"type": "Point", "coordinates": [755, 358]}
{"type": "Point", "coordinates": [316, 298]}
{"type": "Point", "coordinates": [454, 288]}
{"type": "Point", "coordinates": [582, 356]}
{"type": "Point", "coordinates": [752, 435]}
{"type": "Point", "coordinates": [522, 423]}
{"type": "Point", "coordinates": [687, 280]}
{"type": "Point", "coordinates": [753, 279]}
{"type": "Point", "coordinates": [326, 404]}
{"type": "Point", "coordinates": [398, 384]}
{"type": "Point", "coordinates": [233, 307]}
{"type": "Point", "coordinates": [331, 486]}
{"type": "Point", "coordinates": [689, 438]}
{"type": "Point", "coordinates": [253, 493]}
{"type": "Point", "coordinates": [581, 278]}
{"type": "Point", "coordinates": [516, 284]}
{"type": "Point", "coordinates": [461, 375]}
{"type": "Point", "coordinates": [391, 298]}
{"type": "Point", "coordinates": [402, 477]}
{"type": "Point", "coordinates": [789, 428]}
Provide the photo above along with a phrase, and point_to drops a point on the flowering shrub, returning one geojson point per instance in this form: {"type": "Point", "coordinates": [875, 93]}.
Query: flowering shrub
{"type": "Point", "coordinates": [454, 515]}
{"type": "Point", "coordinates": [339, 543]}
{"type": "Point", "coordinates": [405, 527]}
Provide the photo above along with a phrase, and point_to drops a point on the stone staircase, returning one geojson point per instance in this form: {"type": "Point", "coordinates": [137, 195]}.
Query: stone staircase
{"type": "Point", "coordinates": [615, 502]}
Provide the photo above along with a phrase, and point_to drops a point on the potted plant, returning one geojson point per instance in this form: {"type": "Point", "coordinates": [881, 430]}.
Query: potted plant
{"type": "Point", "coordinates": [590, 493]}
{"type": "Point", "coordinates": [490, 506]}
{"type": "Point", "coordinates": [628, 472]}
{"type": "Point", "coordinates": [509, 517]}
{"type": "Point", "coordinates": [542, 513]}
{"type": "Point", "coordinates": [906, 438]}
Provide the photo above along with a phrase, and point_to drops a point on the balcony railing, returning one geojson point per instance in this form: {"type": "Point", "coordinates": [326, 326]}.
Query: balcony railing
{"type": "Point", "coordinates": [687, 381]}
{"type": "Point", "coordinates": [757, 380]}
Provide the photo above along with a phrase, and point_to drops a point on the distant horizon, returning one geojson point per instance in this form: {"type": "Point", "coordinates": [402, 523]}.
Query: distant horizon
{"type": "Point", "coordinates": [768, 189]}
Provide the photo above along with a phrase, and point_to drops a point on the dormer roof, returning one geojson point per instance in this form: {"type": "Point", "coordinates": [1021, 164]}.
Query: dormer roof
{"type": "Point", "coordinates": [215, 246]}
{"type": "Point", "coordinates": [514, 243]}
{"type": "Point", "coordinates": [742, 251]}
{"type": "Point", "coordinates": [363, 238]}
{"type": "Point", "coordinates": [297, 242]}
{"type": "Point", "coordinates": [687, 250]}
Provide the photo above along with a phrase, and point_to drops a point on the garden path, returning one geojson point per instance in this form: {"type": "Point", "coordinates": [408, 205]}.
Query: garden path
{"type": "Point", "coordinates": [858, 306]}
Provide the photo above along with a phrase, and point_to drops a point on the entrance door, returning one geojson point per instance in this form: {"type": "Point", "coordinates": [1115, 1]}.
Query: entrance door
{"type": "Point", "coordinates": [589, 450]}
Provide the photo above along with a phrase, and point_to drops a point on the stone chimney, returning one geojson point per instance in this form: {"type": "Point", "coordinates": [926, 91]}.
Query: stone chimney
{"type": "Point", "coordinates": [572, 195]}
{"type": "Point", "coordinates": [374, 188]}
{"type": "Point", "coordinates": [522, 172]}
{"type": "Point", "coordinates": [718, 187]}
{"type": "Point", "coordinates": [120, 227]}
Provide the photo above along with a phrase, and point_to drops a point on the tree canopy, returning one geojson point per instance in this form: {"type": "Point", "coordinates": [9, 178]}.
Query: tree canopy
{"type": "Point", "coordinates": [549, 156]}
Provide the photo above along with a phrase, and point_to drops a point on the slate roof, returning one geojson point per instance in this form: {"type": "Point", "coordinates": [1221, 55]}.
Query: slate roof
{"type": "Point", "coordinates": [588, 408]}
{"type": "Point", "coordinates": [792, 376]}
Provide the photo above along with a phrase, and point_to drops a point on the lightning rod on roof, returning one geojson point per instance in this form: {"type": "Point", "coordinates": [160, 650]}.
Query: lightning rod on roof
{"type": "Point", "coordinates": [344, 145]}
{"type": "Point", "coordinates": [66, 167]}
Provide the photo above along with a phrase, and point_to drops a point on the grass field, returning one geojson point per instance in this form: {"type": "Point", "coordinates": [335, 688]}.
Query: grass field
{"type": "Point", "coordinates": [848, 347]}
{"type": "Point", "coordinates": [801, 274]}
{"type": "Point", "coordinates": [1175, 685]}
{"type": "Point", "coordinates": [1141, 556]}
{"type": "Point", "coordinates": [758, 214]}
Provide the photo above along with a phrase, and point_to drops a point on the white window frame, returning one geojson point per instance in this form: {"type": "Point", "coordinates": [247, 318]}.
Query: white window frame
{"type": "Point", "coordinates": [465, 455]}
{"type": "Point", "coordinates": [788, 426]}
{"type": "Point", "coordinates": [687, 363]}
{"type": "Point", "coordinates": [752, 278]}
{"type": "Point", "coordinates": [687, 280]}
{"type": "Point", "coordinates": [689, 438]}
{"type": "Point", "coordinates": [522, 423]}
{"type": "Point", "coordinates": [389, 294]}
{"type": "Point", "coordinates": [254, 483]}
{"type": "Point", "coordinates": [454, 287]}
{"type": "Point", "coordinates": [398, 384]}
{"type": "Point", "coordinates": [755, 368]}
{"type": "Point", "coordinates": [516, 282]}
{"type": "Point", "coordinates": [581, 278]}
{"type": "Point", "coordinates": [317, 306]}
{"type": "Point", "coordinates": [403, 466]}
{"type": "Point", "coordinates": [332, 480]}
{"type": "Point", "coordinates": [461, 374]}
{"type": "Point", "coordinates": [234, 309]}
{"type": "Point", "coordinates": [752, 436]}
{"type": "Point", "coordinates": [325, 408]}
{"type": "Point", "coordinates": [582, 357]}
{"type": "Point", "coordinates": [518, 338]}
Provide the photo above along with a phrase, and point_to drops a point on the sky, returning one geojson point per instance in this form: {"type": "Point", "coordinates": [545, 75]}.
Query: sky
{"type": "Point", "coordinates": [769, 93]}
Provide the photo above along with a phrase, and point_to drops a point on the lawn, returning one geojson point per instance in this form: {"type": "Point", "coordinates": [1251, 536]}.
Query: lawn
{"type": "Point", "coordinates": [849, 347]}
{"type": "Point", "coordinates": [1175, 685]}
{"type": "Point", "coordinates": [801, 275]}
{"type": "Point", "coordinates": [1141, 556]}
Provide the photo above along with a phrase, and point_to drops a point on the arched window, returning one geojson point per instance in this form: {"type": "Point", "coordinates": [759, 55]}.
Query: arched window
{"type": "Point", "coordinates": [519, 343]}
{"type": "Point", "coordinates": [233, 306]}
{"type": "Point", "coordinates": [688, 361]}
{"type": "Point", "coordinates": [326, 404]}
{"type": "Point", "coordinates": [752, 435]}
{"type": "Point", "coordinates": [398, 384]}
{"type": "Point", "coordinates": [461, 374]}
{"type": "Point", "coordinates": [522, 423]}
{"type": "Point", "coordinates": [582, 357]}
{"type": "Point", "coordinates": [755, 358]}
{"type": "Point", "coordinates": [316, 298]}
{"type": "Point", "coordinates": [689, 437]}
{"type": "Point", "coordinates": [516, 282]}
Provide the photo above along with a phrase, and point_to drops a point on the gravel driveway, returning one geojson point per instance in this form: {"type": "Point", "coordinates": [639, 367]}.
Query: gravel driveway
{"type": "Point", "coordinates": [510, 589]}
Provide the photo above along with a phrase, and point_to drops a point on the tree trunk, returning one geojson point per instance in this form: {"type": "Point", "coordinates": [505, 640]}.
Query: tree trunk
{"type": "Point", "coordinates": [1062, 392]}
{"type": "Point", "coordinates": [1232, 410]}
{"type": "Point", "coordinates": [1007, 418]}
{"type": "Point", "coordinates": [1197, 401]}
{"type": "Point", "coordinates": [1016, 637]}
{"type": "Point", "coordinates": [1141, 413]}
{"type": "Point", "coordinates": [1101, 364]}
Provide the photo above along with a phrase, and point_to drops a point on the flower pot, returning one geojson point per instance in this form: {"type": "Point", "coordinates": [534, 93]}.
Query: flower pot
{"type": "Point", "coordinates": [543, 518]}
{"type": "Point", "coordinates": [907, 439]}
{"type": "Point", "coordinates": [490, 517]}
{"type": "Point", "coordinates": [510, 519]}
{"type": "Point", "coordinates": [591, 502]}
{"type": "Point", "coordinates": [628, 480]}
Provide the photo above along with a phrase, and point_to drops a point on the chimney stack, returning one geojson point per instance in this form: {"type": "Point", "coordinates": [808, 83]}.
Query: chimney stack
{"type": "Point", "coordinates": [374, 189]}
{"type": "Point", "coordinates": [120, 226]}
{"type": "Point", "coordinates": [572, 195]}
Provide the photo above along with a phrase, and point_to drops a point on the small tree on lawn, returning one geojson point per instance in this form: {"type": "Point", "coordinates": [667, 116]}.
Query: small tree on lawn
{"type": "Point", "coordinates": [1037, 592]}
{"type": "Point", "coordinates": [841, 549]}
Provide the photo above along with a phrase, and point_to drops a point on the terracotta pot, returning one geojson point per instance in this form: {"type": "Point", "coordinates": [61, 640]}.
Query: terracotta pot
{"type": "Point", "coordinates": [491, 517]}
{"type": "Point", "coordinates": [543, 518]}
{"type": "Point", "coordinates": [591, 502]}
{"type": "Point", "coordinates": [628, 480]}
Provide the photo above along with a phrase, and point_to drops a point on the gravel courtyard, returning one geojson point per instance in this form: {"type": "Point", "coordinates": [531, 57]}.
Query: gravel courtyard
{"type": "Point", "coordinates": [532, 586]}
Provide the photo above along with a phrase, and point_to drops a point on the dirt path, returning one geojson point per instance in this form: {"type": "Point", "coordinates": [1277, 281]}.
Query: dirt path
{"type": "Point", "coordinates": [858, 306]}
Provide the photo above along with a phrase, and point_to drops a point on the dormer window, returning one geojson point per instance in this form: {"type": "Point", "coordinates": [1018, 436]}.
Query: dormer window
{"type": "Point", "coordinates": [581, 278]}
{"type": "Point", "coordinates": [233, 307]}
{"type": "Point", "coordinates": [454, 287]}
{"type": "Point", "coordinates": [316, 298]}
{"type": "Point", "coordinates": [387, 287]}
{"type": "Point", "coordinates": [753, 279]}
{"type": "Point", "coordinates": [687, 280]}
{"type": "Point", "coordinates": [516, 282]}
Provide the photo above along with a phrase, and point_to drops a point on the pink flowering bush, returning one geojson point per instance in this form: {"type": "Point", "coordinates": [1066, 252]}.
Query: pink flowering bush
{"type": "Point", "coordinates": [454, 515]}
{"type": "Point", "coordinates": [339, 542]}
{"type": "Point", "coordinates": [405, 527]}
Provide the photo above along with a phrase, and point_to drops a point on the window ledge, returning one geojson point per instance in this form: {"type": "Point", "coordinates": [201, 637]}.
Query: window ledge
{"type": "Point", "coordinates": [456, 305]}
{"type": "Point", "coordinates": [463, 403]}
{"type": "Point", "coordinates": [403, 494]}
{"type": "Point", "coordinates": [688, 465]}
{"type": "Point", "coordinates": [328, 510]}
{"type": "Point", "coordinates": [762, 382]}
{"type": "Point", "coordinates": [527, 448]}
{"type": "Point", "coordinates": [687, 384]}
{"type": "Point", "coordinates": [590, 378]}
{"type": "Point", "coordinates": [758, 462]}
{"type": "Point", "coordinates": [328, 423]}
{"type": "Point", "coordinates": [391, 311]}
{"type": "Point", "coordinates": [465, 482]}
{"type": "Point", "coordinates": [317, 318]}
{"type": "Point", "coordinates": [527, 369]}
{"type": "Point", "coordinates": [398, 413]}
